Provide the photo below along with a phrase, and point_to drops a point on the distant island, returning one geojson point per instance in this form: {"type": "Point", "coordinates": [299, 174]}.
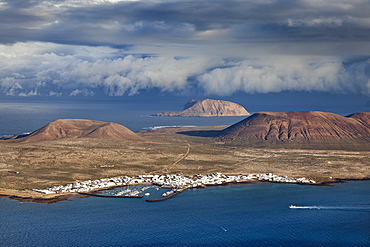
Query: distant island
{"type": "Point", "coordinates": [207, 108]}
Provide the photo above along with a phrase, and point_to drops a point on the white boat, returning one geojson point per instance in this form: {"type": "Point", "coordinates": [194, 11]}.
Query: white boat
{"type": "Point", "coordinates": [292, 206]}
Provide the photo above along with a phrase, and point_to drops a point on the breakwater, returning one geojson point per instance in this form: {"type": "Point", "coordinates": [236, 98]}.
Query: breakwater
{"type": "Point", "coordinates": [100, 195]}
{"type": "Point", "coordinates": [167, 196]}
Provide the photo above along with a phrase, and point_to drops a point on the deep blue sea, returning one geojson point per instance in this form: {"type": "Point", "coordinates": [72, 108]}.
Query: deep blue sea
{"type": "Point", "coordinates": [22, 116]}
{"type": "Point", "coordinates": [237, 215]}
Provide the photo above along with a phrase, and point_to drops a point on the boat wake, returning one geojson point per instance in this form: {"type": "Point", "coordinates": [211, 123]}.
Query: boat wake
{"type": "Point", "coordinates": [356, 208]}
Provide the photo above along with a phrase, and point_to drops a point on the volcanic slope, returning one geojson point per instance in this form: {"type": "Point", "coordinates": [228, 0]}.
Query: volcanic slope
{"type": "Point", "coordinates": [301, 129]}
{"type": "Point", "coordinates": [78, 128]}
{"type": "Point", "coordinates": [208, 108]}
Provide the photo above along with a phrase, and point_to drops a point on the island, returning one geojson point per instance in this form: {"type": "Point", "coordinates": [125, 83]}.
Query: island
{"type": "Point", "coordinates": [208, 108]}
{"type": "Point", "coordinates": [74, 157]}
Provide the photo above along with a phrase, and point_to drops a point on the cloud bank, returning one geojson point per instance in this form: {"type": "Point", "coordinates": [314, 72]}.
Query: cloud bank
{"type": "Point", "coordinates": [49, 69]}
{"type": "Point", "coordinates": [78, 47]}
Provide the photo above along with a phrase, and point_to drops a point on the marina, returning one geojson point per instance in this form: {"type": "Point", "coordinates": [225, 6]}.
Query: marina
{"type": "Point", "coordinates": [176, 183]}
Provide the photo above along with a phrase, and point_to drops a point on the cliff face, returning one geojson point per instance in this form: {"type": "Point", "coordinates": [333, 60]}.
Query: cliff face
{"type": "Point", "coordinates": [208, 108]}
{"type": "Point", "coordinates": [78, 128]}
{"type": "Point", "coordinates": [301, 127]}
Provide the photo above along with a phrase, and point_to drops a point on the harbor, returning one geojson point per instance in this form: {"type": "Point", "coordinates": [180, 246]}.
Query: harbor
{"type": "Point", "coordinates": [174, 183]}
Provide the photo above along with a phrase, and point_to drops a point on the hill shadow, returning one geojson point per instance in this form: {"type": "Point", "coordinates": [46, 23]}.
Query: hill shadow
{"type": "Point", "coordinates": [14, 137]}
{"type": "Point", "coordinates": [201, 133]}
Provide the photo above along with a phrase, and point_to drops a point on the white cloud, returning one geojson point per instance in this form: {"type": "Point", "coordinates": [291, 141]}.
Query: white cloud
{"type": "Point", "coordinates": [84, 92]}
{"type": "Point", "coordinates": [276, 76]}
{"type": "Point", "coordinates": [330, 22]}
{"type": "Point", "coordinates": [77, 3]}
{"type": "Point", "coordinates": [122, 48]}
{"type": "Point", "coordinates": [131, 74]}
{"type": "Point", "coordinates": [30, 93]}
{"type": "Point", "coordinates": [52, 93]}
{"type": "Point", "coordinates": [10, 86]}
{"type": "Point", "coordinates": [45, 68]}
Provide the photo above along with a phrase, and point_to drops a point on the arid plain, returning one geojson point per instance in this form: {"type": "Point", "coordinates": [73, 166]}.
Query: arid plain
{"type": "Point", "coordinates": [25, 166]}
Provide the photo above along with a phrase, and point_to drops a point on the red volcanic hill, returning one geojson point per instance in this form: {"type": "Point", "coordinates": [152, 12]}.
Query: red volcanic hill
{"type": "Point", "coordinates": [362, 117]}
{"type": "Point", "coordinates": [78, 128]}
{"type": "Point", "coordinates": [306, 127]}
{"type": "Point", "coordinates": [208, 108]}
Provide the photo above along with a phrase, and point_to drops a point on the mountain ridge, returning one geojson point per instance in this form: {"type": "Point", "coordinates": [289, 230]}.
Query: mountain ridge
{"type": "Point", "coordinates": [300, 127]}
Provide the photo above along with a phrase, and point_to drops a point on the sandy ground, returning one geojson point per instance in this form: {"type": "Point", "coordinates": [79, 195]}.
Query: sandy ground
{"type": "Point", "coordinates": [44, 164]}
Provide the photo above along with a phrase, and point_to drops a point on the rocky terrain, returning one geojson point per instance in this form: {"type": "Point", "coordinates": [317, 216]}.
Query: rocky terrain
{"type": "Point", "coordinates": [306, 127]}
{"type": "Point", "coordinates": [362, 117]}
{"type": "Point", "coordinates": [77, 128]}
{"type": "Point", "coordinates": [42, 164]}
{"type": "Point", "coordinates": [319, 146]}
{"type": "Point", "coordinates": [208, 108]}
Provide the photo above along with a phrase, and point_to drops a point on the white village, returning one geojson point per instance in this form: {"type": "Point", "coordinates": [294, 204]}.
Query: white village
{"type": "Point", "coordinates": [177, 183]}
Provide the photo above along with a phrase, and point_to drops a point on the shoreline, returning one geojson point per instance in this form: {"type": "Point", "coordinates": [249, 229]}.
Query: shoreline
{"type": "Point", "coordinates": [31, 196]}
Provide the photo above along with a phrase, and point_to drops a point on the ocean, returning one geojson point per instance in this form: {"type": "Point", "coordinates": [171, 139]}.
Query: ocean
{"type": "Point", "coordinates": [23, 116]}
{"type": "Point", "coordinates": [235, 215]}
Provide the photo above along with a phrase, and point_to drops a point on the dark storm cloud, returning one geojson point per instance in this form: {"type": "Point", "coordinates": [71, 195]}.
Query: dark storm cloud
{"type": "Point", "coordinates": [163, 22]}
{"type": "Point", "coordinates": [214, 47]}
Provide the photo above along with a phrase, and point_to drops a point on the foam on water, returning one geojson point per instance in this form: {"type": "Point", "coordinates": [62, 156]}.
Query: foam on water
{"type": "Point", "coordinates": [167, 126]}
{"type": "Point", "coordinates": [334, 207]}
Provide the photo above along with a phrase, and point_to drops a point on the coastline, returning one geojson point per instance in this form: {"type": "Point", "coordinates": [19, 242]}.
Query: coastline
{"type": "Point", "coordinates": [32, 196]}
{"type": "Point", "coordinates": [27, 166]}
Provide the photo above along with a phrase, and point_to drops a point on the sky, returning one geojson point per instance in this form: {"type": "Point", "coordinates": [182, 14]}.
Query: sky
{"type": "Point", "coordinates": [183, 47]}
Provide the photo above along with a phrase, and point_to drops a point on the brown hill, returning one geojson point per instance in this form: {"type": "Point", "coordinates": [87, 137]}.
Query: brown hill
{"type": "Point", "coordinates": [208, 108]}
{"type": "Point", "coordinates": [362, 117]}
{"type": "Point", "coordinates": [306, 127]}
{"type": "Point", "coordinates": [78, 128]}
